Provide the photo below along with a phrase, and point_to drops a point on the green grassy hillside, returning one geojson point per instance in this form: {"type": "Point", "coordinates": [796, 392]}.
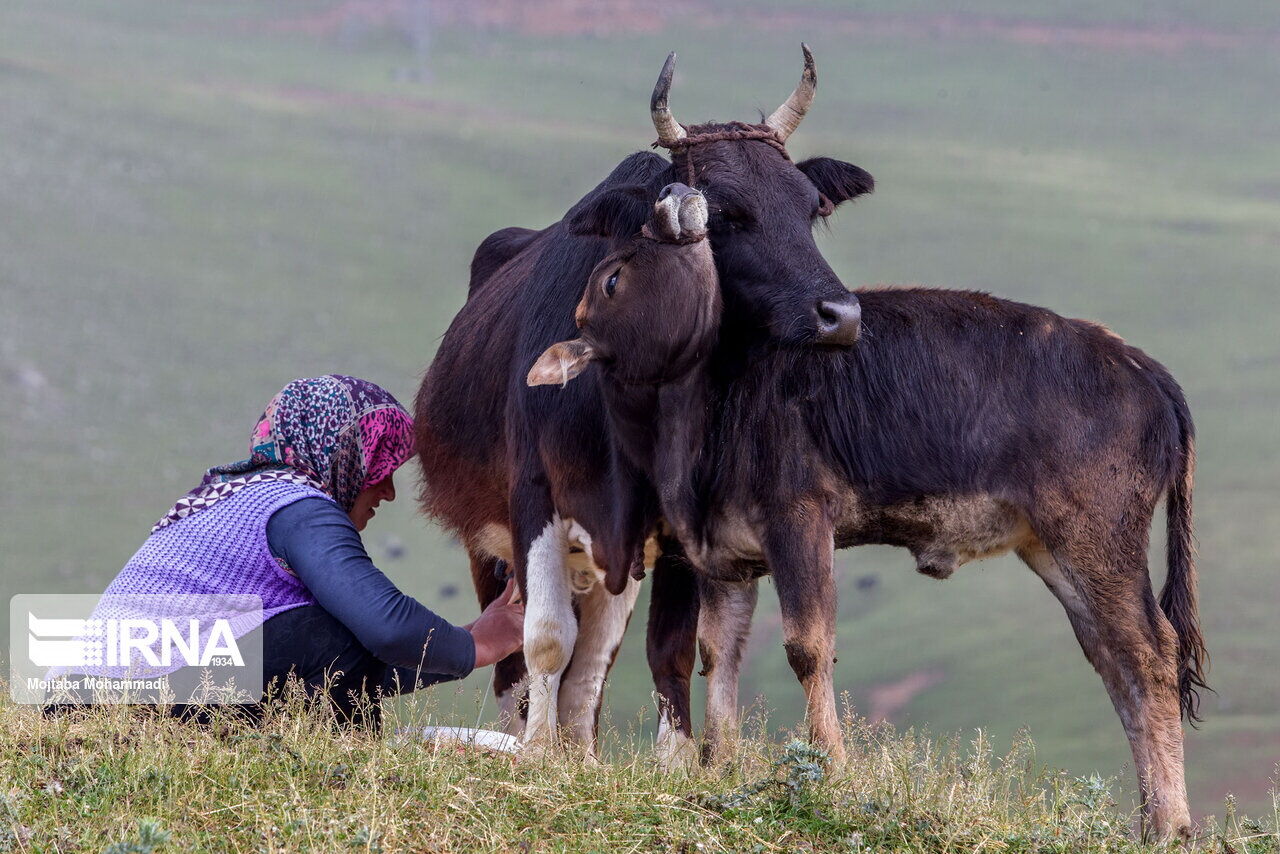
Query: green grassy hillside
{"type": "Point", "coordinates": [199, 202]}
{"type": "Point", "coordinates": [295, 784]}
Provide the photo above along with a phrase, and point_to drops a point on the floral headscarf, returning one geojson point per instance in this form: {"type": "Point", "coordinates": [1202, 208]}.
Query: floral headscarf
{"type": "Point", "coordinates": [335, 433]}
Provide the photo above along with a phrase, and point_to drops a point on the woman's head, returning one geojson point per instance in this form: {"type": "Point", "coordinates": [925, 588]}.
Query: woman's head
{"type": "Point", "coordinates": [347, 434]}
{"type": "Point", "coordinates": [338, 434]}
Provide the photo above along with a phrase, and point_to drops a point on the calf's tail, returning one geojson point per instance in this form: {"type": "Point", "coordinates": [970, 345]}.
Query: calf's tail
{"type": "Point", "coordinates": [1178, 598]}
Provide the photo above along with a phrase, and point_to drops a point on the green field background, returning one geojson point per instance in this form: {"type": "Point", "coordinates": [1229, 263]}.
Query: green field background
{"type": "Point", "coordinates": [201, 201]}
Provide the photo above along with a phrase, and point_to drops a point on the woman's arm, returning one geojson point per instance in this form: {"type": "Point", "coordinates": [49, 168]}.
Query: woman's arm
{"type": "Point", "coordinates": [322, 547]}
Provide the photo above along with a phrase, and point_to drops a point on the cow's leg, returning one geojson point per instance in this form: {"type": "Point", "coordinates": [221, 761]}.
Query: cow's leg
{"type": "Point", "coordinates": [550, 626]}
{"type": "Point", "coordinates": [509, 673]}
{"type": "Point", "coordinates": [511, 688]}
{"type": "Point", "coordinates": [800, 553]}
{"type": "Point", "coordinates": [671, 643]}
{"type": "Point", "coordinates": [1108, 598]}
{"type": "Point", "coordinates": [603, 620]}
{"type": "Point", "coordinates": [724, 620]}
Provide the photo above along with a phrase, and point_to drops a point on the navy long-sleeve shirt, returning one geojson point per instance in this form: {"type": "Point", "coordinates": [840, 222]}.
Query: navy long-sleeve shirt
{"type": "Point", "coordinates": [321, 545]}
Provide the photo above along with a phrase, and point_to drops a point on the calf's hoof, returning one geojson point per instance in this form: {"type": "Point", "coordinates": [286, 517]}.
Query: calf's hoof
{"type": "Point", "coordinates": [676, 752]}
{"type": "Point", "coordinates": [1168, 829]}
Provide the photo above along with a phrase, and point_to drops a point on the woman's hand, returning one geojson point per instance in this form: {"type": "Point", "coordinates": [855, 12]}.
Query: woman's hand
{"type": "Point", "coordinates": [499, 630]}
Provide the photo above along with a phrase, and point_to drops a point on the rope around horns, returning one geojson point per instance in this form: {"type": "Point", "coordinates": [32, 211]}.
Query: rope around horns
{"type": "Point", "coordinates": [735, 132]}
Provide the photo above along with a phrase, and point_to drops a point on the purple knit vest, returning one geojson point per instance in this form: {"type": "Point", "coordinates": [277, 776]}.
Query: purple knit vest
{"type": "Point", "coordinates": [222, 550]}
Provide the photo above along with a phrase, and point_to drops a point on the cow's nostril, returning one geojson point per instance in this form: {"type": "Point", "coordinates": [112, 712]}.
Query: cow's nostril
{"type": "Point", "coordinates": [839, 321]}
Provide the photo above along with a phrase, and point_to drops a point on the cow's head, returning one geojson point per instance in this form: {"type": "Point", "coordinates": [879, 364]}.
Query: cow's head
{"type": "Point", "coordinates": [763, 209]}
{"type": "Point", "coordinates": [651, 309]}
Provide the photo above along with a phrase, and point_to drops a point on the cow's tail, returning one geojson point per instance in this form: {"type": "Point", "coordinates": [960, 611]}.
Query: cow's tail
{"type": "Point", "coordinates": [1178, 598]}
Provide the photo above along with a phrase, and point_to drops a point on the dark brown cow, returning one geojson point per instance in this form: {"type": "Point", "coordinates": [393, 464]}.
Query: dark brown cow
{"type": "Point", "coordinates": [526, 476]}
{"type": "Point", "coordinates": [960, 427]}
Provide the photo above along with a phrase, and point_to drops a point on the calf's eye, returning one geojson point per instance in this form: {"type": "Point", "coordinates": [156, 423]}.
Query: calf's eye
{"type": "Point", "coordinates": [610, 285]}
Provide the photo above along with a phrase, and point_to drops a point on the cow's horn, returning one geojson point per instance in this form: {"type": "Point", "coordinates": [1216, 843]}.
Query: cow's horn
{"type": "Point", "coordinates": [787, 118]}
{"type": "Point", "coordinates": [669, 130]}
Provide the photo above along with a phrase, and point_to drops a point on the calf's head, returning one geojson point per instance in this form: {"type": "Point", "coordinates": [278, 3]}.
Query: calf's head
{"type": "Point", "coordinates": [651, 309]}
{"type": "Point", "coordinates": [763, 208]}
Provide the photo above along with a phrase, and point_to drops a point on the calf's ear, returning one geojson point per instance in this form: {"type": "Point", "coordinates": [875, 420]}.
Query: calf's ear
{"type": "Point", "coordinates": [837, 180]}
{"type": "Point", "coordinates": [561, 363]}
{"type": "Point", "coordinates": [618, 212]}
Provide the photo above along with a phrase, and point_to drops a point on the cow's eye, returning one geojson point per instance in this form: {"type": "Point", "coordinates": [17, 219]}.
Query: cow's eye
{"type": "Point", "coordinates": [610, 284]}
{"type": "Point", "coordinates": [731, 220]}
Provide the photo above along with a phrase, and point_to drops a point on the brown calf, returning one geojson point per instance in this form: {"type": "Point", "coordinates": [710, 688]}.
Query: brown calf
{"type": "Point", "coordinates": [960, 427]}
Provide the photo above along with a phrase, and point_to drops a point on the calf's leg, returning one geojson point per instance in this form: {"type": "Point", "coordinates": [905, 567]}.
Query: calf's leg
{"type": "Point", "coordinates": [671, 642]}
{"type": "Point", "coordinates": [1107, 595]}
{"type": "Point", "coordinates": [801, 556]}
{"type": "Point", "coordinates": [724, 620]}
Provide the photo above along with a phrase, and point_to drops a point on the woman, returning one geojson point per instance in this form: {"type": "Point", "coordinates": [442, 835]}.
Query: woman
{"type": "Point", "coordinates": [284, 525]}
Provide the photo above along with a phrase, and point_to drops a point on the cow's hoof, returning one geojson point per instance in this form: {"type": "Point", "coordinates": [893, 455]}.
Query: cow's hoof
{"type": "Point", "coordinates": [537, 750]}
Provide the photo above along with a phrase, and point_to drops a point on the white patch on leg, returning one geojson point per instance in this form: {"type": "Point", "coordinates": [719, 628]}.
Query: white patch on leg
{"type": "Point", "coordinates": [550, 629]}
{"type": "Point", "coordinates": [674, 750]}
{"type": "Point", "coordinates": [603, 620]}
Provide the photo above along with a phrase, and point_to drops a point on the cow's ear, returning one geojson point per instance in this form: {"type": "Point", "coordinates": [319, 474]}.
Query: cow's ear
{"type": "Point", "coordinates": [617, 212]}
{"type": "Point", "coordinates": [561, 363]}
{"type": "Point", "coordinates": [837, 180]}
